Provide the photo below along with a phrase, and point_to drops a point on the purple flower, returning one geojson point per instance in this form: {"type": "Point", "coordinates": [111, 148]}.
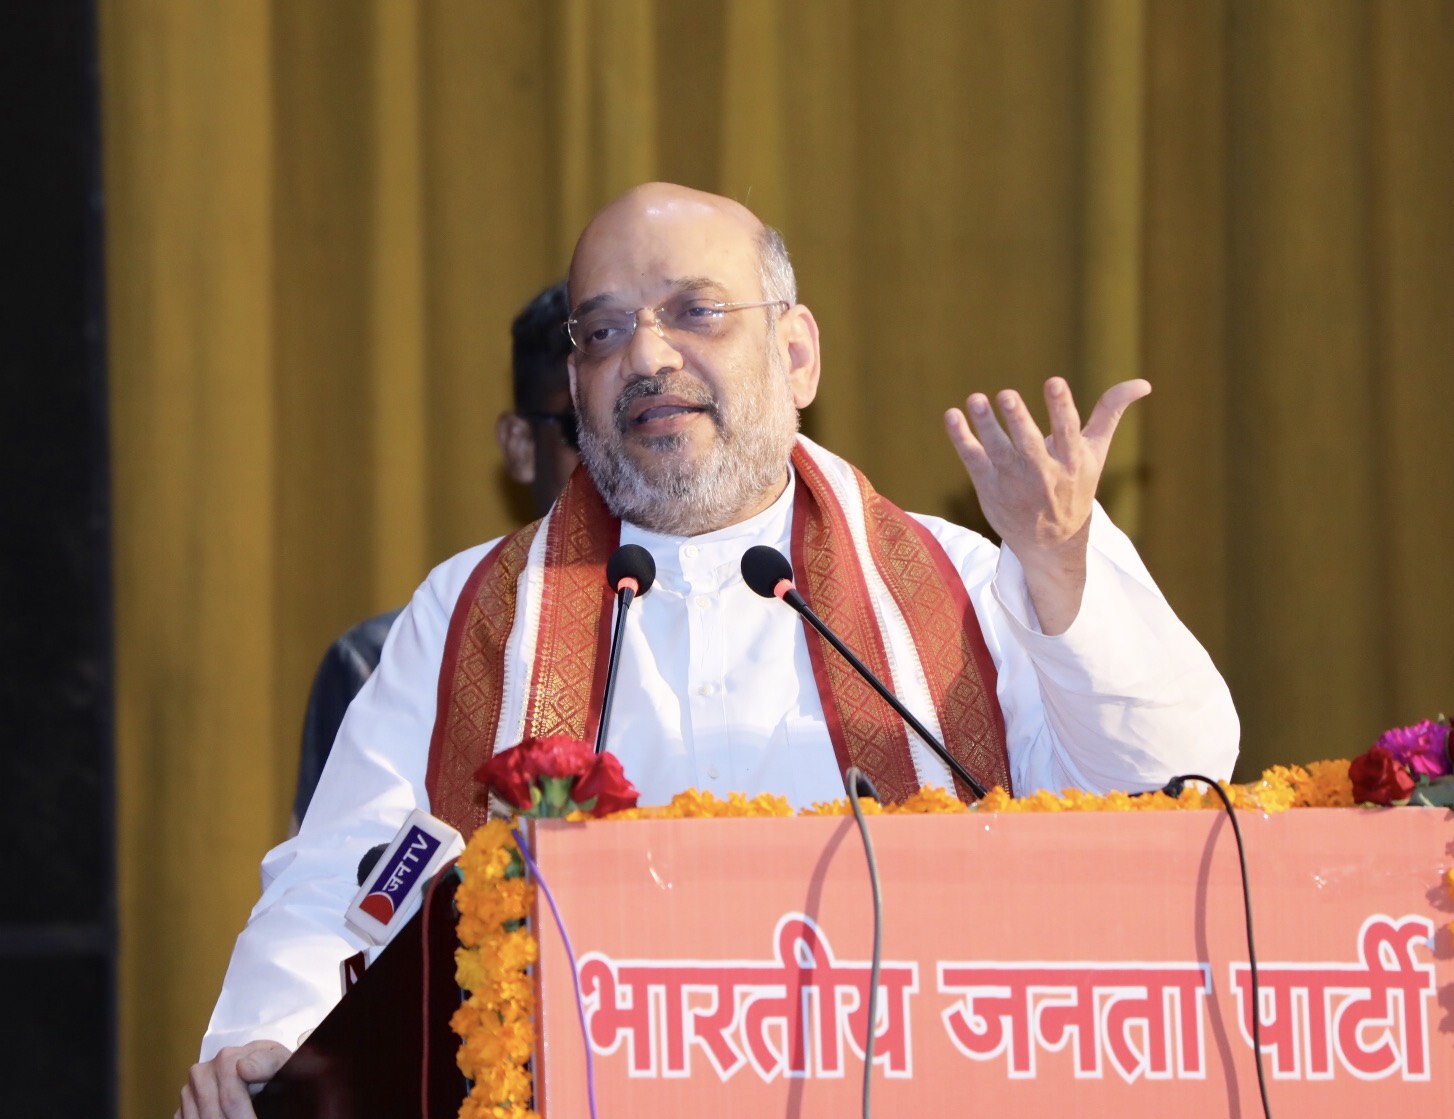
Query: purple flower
{"type": "Point", "coordinates": [1423, 748]}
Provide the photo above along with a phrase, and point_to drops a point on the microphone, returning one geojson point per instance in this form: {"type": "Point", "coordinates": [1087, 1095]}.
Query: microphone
{"type": "Point", "coordinates": [629, 572]}
{"type": "Point", "coordinates": [370, 860]}
{"type": "Point", "coordinates": [389, 876]}
{"type": "Point", "coordinates": [768, 572]}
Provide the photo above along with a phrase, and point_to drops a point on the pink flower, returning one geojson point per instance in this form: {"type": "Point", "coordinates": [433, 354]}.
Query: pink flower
{"type": "Point", "coordinates": [1423, 748]}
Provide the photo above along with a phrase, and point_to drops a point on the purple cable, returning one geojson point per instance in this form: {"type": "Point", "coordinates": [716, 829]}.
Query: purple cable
{"type": "Point", "coordinates": [571, 956]}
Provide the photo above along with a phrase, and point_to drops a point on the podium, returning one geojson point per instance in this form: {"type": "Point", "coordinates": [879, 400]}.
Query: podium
{"type": "Point", "coordinates": [1052, 964]}
{"type": "Point", "coordinates": [386, 1049]}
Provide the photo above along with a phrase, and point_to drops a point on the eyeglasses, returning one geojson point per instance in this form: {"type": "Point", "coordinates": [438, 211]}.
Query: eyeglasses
{"type": "Point", "coordinates": [600, 333]}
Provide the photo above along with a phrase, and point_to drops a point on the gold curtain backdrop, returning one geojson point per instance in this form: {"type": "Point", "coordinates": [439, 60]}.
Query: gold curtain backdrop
{"type": "Point", "coordinates": [322, 215]}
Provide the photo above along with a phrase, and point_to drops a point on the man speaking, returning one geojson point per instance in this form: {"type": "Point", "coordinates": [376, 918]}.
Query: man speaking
{"type": "Point", "coordinates": [1049, 662]}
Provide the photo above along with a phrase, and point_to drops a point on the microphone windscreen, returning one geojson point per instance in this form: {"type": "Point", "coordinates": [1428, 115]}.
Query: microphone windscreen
{"type": "Point", "coordinates": [763, 568]}
{"type": "Point", "coordinates": [631, 561]}
{"type": "Point", "coordinates": [369, 861]}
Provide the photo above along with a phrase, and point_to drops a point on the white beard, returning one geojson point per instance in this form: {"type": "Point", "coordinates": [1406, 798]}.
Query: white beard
{"type": "Point", "coordinates": [676, 497]}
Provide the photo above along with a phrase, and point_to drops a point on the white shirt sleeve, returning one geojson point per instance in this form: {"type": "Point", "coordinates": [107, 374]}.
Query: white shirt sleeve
{"type": "Point", "coordinates": [284, 976]}
{"type": "Point", "coordinates": [1125, 698]}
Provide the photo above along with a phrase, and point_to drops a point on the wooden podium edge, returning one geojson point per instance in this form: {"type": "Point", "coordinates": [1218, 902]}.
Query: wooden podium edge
{"type": "Point", "coordinates": [364, 1059]}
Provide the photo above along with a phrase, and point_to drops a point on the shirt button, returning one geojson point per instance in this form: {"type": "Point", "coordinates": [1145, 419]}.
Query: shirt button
{"type": "Point", "coordinates": [690, 551]}
{"type": "Point", "coordinates": [713, 772]}
{"type": "Point", "coordinates": [706, 689]}
{"type": "Point", "coordinates": [703, 601]}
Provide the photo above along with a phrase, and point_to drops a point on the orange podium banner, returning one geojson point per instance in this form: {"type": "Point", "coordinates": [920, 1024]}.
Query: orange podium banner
{"type": "Point", "coordinates": [1050, 964]}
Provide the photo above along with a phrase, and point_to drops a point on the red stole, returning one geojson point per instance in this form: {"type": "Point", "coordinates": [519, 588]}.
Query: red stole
{"type": "Point", "coordinates": [567, 675]}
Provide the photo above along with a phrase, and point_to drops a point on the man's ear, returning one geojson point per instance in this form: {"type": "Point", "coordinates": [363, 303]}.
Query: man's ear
{"type": "Point", "coordinates": [517, 442]}
{"type": "Point", "coordinates": [800, 336]}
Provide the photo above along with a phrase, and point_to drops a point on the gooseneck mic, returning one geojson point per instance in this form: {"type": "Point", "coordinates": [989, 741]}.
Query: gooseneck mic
{"type": "Point", "coordinates": [768, 572]}
{"type": "Point", "coordinates": [629, 572]}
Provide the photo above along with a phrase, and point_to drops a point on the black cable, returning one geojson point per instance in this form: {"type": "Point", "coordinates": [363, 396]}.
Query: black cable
{"type": "Point", "coordinates": [855, 780]}
{"type": "Point", "coordinates": [1173, 789]}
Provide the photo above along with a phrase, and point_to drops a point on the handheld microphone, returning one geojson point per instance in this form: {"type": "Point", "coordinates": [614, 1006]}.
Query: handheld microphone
{"type": "Point", "coordinates": [629, 572]}
{"type": "Point", "coordinates": [388, 891]}
{"type": "Point", "coordinates": [768, 572]}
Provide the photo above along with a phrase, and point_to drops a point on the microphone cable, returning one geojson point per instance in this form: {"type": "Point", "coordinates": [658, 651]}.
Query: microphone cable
{"type": "Point", "coordinates": [1173, 789]}
{"type": "Point", "coordinates": [570, 956]}
{"type": "Point", "coordinates": [855, 781]}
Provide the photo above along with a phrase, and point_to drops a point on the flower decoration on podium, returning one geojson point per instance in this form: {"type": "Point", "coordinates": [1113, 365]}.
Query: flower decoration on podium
{"type": "Point", "coordinates": [565, 778]}
{"type": "Point", "coordinates": [555, 776]}
{"type": "Point", "coordinates": [1407, 765]}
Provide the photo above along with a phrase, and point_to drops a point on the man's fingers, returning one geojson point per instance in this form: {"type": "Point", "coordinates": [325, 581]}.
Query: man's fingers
{"type": "Point", "coordinates": [218, 1089]}
{"type": "Point", "coordinates": [235, 1099]}
{"type": "Point", "coordinates": [199, 1097]}
{"type": "Point", "coordinates": [1112, 406]}
{"type": "Point", "coordinates": [1064, 419]}
{"type": "Point", "coordinates": [971, 452]}
{"type": "Point", "coordinates": [261, 1061]}
{"type": "Point", "coordinates": [229, 1095]}
{"type": "Point", "coordinates": [257, 1062]}
{"type": "Point", "coordinates": [1027, 438]}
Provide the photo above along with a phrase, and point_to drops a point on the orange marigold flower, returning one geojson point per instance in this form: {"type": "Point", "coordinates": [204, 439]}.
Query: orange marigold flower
{"type": "Point", "coordinates": [1332, 787]}
{"type": "Point", "coordinates": [996, 800]}
{"type": "Point", "coordinates": [931, 800]}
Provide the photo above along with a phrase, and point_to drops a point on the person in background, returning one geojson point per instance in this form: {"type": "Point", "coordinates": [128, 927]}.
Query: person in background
{"type": "Point", "coordinates": [538, 438]}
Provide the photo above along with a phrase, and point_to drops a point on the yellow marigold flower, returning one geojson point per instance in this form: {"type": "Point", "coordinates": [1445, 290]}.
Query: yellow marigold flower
{"type": "Point", "coordinates": [469, 973]}
{"type": "Point", "coordinates": [1120, 802]}
{"type": "Point", "coordinates": [504, 1084]}
{"type": "Point", "coordinates": [1045, 801]}
{"type": "Point", "coordinates": [1332, 787]}
{"type": "Point", "coordinates": [996, 800]}
{"type": "Point", "coordinates": [931, 800]}
{"type": "Point", "coordinates": [517, 951]}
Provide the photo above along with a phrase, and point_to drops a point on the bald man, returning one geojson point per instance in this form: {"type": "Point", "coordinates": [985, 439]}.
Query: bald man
{"type": "Point", "coordinates": [1052, 661]}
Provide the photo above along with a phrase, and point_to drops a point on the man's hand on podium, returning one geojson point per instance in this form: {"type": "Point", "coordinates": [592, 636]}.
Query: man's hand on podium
{"type": "Point", "coordinates": [219, 1088]}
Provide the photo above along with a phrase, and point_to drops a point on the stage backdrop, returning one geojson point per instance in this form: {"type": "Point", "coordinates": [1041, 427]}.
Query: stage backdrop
{"type": "Point", "coordinates": [321, 217]}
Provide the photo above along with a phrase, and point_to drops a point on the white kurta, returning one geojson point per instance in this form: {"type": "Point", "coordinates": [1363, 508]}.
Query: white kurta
{"type": "Point", "coordinates": [716, 691]}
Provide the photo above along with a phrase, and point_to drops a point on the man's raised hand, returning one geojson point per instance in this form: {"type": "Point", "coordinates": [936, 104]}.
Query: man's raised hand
{"type": "Point", "coordinates": [1037, 492]}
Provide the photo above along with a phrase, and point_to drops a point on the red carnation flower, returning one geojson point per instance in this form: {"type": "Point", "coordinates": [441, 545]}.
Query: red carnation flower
{"type": "Point", "coordinates": [1379, 778]}
{"type": "Point", "coordinates": [557, 755]}
{"type": "Point", "coordinates": [607, 782]}
{"type": "Point", "coordinates": [506, 774]}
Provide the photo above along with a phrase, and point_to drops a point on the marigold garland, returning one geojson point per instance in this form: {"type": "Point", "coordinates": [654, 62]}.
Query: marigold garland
{"type": "Point", "coordinates": [496, 1022]}
{"type": "Point", "coordinates": [494, 899]}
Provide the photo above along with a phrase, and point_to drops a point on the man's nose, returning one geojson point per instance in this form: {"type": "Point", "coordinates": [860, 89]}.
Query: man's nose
{"type": "Point", "coordinates": [649, 351]}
